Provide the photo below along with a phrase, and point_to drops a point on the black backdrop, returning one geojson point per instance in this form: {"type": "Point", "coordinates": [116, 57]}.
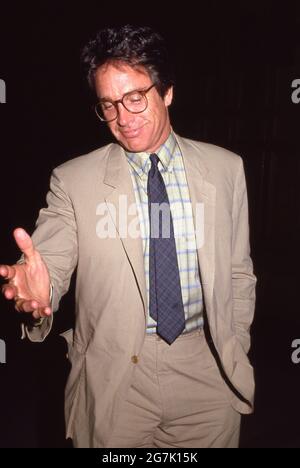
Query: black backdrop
{"type": "Point", "coordinates": [235, 63]}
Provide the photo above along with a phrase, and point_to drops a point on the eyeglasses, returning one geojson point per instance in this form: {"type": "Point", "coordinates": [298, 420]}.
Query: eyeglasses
{"type": "Point", "coordinates": [134, 102]}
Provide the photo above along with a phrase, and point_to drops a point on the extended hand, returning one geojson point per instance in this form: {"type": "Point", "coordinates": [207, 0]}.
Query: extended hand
{"type": "Point", "coordinates": [28, 283]}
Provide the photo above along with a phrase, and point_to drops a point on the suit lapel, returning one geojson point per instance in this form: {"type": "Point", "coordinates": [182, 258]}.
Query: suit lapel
{"type": "Point", "coordinates": [119, 194]}
{"type": "Point", "coordinates": [203, 198]}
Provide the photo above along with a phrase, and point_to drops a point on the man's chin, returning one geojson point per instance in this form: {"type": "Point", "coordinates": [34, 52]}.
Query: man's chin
{"type": "Point", "coordinates": [133, 146]}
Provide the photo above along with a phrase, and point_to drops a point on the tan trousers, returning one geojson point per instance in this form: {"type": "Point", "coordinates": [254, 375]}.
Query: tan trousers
{"type": "Point", "coordinates": [177, 399]}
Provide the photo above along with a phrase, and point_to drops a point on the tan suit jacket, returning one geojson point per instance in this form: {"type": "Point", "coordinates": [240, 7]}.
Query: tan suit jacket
{"type": "Point", "coordinates": [110, 288]}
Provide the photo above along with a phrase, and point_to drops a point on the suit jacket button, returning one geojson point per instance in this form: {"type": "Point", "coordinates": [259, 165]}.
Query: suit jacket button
{"type": "Point", "coordinates": [134, 359]}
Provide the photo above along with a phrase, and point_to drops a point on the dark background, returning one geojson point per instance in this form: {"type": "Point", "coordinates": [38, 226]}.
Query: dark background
{"type": "Point", "coordinates": [235, 62]}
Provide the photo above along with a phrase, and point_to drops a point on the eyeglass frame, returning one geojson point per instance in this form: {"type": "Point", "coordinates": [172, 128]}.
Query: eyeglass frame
{"type": "Point", "coordinates": [143, 92]}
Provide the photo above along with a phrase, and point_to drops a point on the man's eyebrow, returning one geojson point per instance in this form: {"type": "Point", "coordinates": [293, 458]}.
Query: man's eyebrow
{"type": "Point", "coordinates": [106, 98]}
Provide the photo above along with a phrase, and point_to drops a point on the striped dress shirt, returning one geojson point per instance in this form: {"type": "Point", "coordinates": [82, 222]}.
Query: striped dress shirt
{"type": "Point", "coordinates": [172, 169]}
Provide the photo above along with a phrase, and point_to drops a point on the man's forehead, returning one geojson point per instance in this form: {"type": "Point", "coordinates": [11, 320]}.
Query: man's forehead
{"type": "Point", "coordinates": [120, 77]}
{"type": "Point", "coordinates": [117, 68]}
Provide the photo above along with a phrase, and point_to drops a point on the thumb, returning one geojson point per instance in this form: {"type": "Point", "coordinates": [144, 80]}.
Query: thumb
{"type": "Point", "coordinates": [24, 243]}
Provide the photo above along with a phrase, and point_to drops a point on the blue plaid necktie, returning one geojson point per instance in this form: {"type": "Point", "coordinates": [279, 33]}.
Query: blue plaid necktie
{"type": "Point", "coordinates": [166, 306]}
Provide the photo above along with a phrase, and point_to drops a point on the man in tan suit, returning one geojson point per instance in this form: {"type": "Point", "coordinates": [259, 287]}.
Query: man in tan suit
{"type": "Point", "coordinates": [131, 384]}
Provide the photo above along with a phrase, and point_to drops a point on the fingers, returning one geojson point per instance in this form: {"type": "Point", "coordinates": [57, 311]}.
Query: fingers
{"type": "Point", "coordinates": [42, 312]}
{"type": "Point", "coordinates": [24, 243]}
{"type": "Point", "coordinates": [7, 272]}
{"type": "Point", "coordinates": [22, 305]}
{"type": "Point", "coordinates": [33, 307]}
{"type": "Point", "coordinates": [9, 291]}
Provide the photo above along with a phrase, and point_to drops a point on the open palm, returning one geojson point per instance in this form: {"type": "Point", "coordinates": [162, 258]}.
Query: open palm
{"type": "Point", "coordinates": [29, 282]}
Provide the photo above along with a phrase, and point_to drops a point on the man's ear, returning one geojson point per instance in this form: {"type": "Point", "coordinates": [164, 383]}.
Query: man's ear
{"type": "Point", "coordinates": [168, 97]}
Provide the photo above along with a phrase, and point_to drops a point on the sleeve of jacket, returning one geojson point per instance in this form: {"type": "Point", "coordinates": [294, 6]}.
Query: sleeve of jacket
{"type": "Point", "coordinates": [55, 237]}
{"type": "Point", "coordinates": [243, 278]}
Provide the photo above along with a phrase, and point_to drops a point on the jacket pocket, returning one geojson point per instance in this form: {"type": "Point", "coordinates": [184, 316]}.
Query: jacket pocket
{"type": "Point", "coordinates": [73, 388]}
{"type": "Point", "coordinates": [243, 379]}
{"type": "Point", "coordinates": [69, 337]}
{"type": "Point", "coordinates": [76, 356]}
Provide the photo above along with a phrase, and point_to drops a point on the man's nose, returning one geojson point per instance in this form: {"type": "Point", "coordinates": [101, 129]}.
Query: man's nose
{"type": "Point", "coordinates": [124, 116]}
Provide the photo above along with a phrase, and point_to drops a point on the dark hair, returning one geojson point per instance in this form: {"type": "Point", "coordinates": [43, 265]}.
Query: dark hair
{"type": "Point", "coordinates": [136, 46]}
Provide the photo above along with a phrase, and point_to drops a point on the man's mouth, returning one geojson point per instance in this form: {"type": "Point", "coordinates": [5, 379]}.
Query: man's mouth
{"type": "Point", "coordinates": [131, 133]}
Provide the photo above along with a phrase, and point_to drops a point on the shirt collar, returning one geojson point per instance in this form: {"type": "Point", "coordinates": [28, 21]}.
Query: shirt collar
{"type": "Point", "coordinates": [141, 163]}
